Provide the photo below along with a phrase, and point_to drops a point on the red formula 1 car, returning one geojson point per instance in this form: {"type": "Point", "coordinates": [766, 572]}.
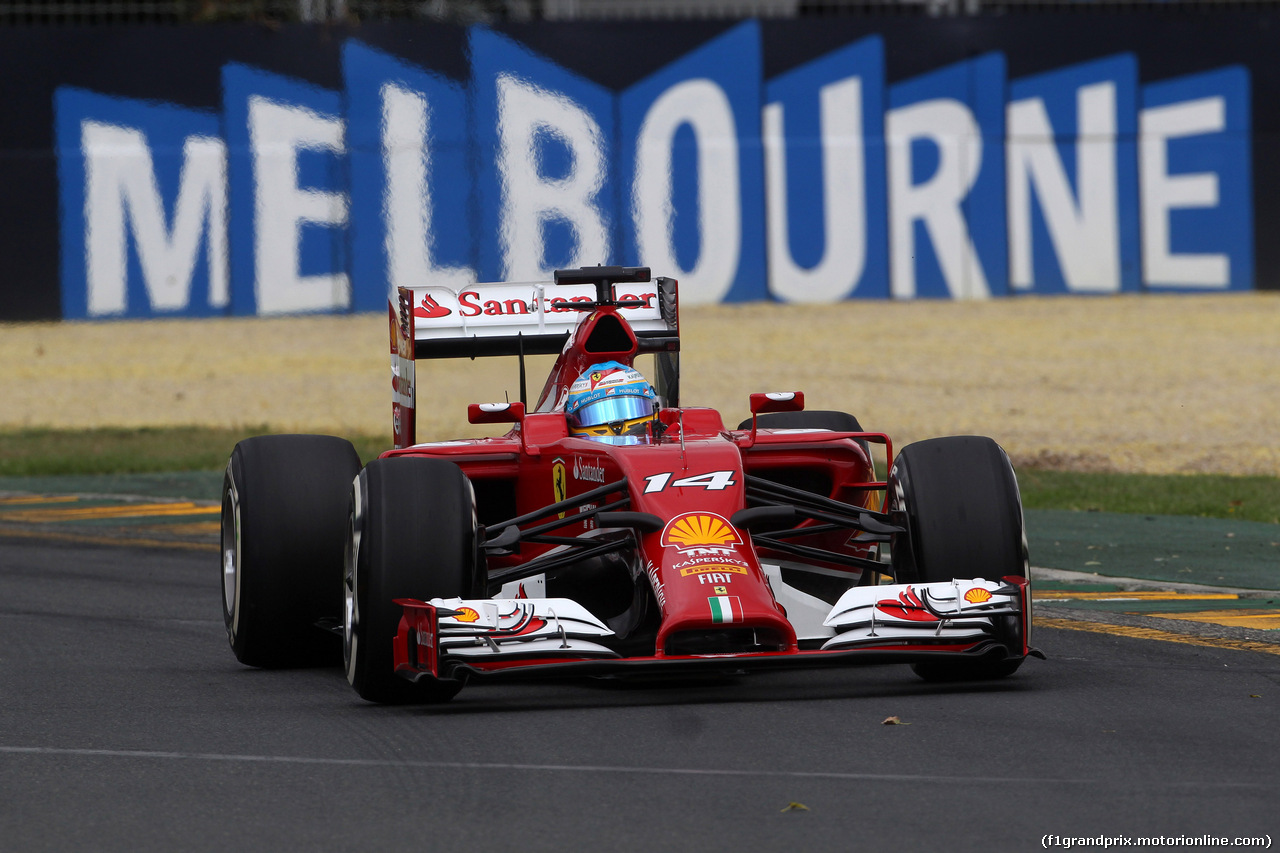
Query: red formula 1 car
{"type": "Point", "coordinates": [656, 541]}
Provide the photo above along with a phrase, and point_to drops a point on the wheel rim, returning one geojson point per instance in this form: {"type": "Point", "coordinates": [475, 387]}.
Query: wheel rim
{"type": "Point", "coordinates": [350, 597]}
{"type": "Point", "coordinates": [231, 556]}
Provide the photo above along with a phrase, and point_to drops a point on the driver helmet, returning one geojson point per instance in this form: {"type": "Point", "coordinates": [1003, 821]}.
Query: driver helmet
{"type": "Point", "coordinates": [613, 403]}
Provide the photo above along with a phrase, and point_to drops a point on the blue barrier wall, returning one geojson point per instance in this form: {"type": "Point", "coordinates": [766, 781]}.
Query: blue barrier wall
{"type": "Point", "coordinates": [238, 170]}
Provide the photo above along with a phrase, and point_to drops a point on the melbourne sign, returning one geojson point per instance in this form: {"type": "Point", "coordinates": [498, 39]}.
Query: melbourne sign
{"type": "Point", "coordinates": [820, 183]}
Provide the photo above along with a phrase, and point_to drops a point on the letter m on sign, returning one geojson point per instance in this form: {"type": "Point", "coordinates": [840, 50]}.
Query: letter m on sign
{"type": "Point", "coordinates": [143, 197]}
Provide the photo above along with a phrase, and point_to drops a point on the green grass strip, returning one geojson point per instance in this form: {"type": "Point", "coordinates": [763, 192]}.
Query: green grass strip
{"type": "Point", "coordinates": [46, 452]}
{"type": "Point", "coordinates": [1206, 495]}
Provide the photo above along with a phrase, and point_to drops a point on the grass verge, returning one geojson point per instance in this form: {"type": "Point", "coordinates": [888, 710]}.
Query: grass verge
{"type": "Point", "coordinates": [1206, 495]}
{"type": "Point", "coordinates": [44, 452]}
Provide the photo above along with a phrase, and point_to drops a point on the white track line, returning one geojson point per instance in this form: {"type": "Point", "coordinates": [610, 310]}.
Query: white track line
{"type": "Point", "coordinates": [540, 768]}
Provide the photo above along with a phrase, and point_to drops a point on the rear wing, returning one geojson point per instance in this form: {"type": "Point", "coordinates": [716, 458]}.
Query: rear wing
{"type": "Point", "coordinates": [519, 319]}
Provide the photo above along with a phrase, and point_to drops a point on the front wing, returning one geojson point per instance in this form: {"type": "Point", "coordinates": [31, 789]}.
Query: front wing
{"type": "Point", "coordinates": [448, 639]}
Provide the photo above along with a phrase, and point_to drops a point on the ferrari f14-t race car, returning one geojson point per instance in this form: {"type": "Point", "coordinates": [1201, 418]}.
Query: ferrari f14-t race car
{"type": "Point", "coordinates": [612, 530]}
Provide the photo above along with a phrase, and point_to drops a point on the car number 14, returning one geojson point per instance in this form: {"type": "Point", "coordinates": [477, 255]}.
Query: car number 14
{"type": "Point", "coordinates": [715, 481]}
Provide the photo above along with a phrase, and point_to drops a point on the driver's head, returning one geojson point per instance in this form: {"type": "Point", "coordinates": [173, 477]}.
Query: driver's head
{"type": "Point", "coordinates": [613, 403]}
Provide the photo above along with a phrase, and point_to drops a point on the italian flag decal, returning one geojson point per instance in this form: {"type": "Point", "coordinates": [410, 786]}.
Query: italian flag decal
{"type": "Point", "coordinates": [725, 608]}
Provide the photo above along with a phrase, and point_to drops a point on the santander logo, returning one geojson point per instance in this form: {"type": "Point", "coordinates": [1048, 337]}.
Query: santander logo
{"type": "Point", "coordinates": [591, 471]}
{"type": "Point", "coordinates": [430, 309]}
{"type": "Point", "coordinates": [907, 606]}
{"type": "Point", "coordinates": [481, 302]}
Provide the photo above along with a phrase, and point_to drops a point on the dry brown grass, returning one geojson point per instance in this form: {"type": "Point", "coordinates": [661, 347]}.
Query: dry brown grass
{"type": "Point", "coordinates": [1149, 383]}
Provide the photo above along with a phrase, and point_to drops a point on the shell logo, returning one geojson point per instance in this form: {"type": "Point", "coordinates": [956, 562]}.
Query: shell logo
{"type": "Point", "coordinates": [699, 530]}
{"type": "Point", "coordinates": [977, 595]}
{"type": "Point", "coordinates": [466, 614]}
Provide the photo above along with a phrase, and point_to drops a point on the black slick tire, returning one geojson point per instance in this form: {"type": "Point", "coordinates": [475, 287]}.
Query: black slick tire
{"type": "Point", "coordinates": [412, 534]}
{"type": "Point", "coordinates": [284, 514]}
{"type": "Point", "coordinates": [957, 497]}
{"type": "Point", "coordinates": [815, 419]}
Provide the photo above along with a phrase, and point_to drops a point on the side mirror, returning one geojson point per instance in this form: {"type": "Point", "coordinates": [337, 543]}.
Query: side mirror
{"type": "Point", "coordinates": [777, 401]}
{"type": "Point", "coordinates": [495, 413]}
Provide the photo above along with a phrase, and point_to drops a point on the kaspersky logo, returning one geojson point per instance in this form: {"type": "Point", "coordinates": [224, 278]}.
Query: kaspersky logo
{"type": "Point", "coordinates": [700, 531]}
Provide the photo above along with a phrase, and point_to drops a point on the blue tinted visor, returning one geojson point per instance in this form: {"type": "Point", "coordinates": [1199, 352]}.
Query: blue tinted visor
{"type": "Point", "coordinates": [620, 439]}
{"type": "Point", "coordinates": [609, 410]}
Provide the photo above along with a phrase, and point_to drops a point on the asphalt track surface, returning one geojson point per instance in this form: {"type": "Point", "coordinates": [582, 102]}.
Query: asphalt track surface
{"type": "Point", "coordinates": [127, 724]}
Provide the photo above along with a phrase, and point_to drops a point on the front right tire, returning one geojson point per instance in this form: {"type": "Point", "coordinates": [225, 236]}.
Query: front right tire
{"type": "Point", "coordinates": [284, 507]}
{"type": "Point", "coordinates": [411, 534]}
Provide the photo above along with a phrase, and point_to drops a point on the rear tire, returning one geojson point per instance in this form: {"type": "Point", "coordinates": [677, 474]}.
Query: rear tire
{"type": "Point", "coordinates": [412, 534]}
{"type": "Point", "coordinates": [958, 499]}
{"type": "Point", "coordinates": [821, 586]}
{"type": "Point", "coordinates": [808, 419]}
{"type": "Point", "coordinates": [815, 419]}
{"type": "Point", "coordinates": [284, 509]}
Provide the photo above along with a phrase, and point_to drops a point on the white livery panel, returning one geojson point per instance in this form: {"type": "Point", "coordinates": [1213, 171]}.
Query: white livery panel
{"type": "Point", "coordinates": [533, 308]}
{"type": "Point", "coordinates": [942, 612]}
{"type": "Point", "coordinates": [524, 626]}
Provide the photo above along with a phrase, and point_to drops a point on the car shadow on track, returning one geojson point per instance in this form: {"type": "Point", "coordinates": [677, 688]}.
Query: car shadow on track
{"type": "Point", "coordinates": [515, 695]}
{"type": "Point", "coordinates": [512, 697]}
